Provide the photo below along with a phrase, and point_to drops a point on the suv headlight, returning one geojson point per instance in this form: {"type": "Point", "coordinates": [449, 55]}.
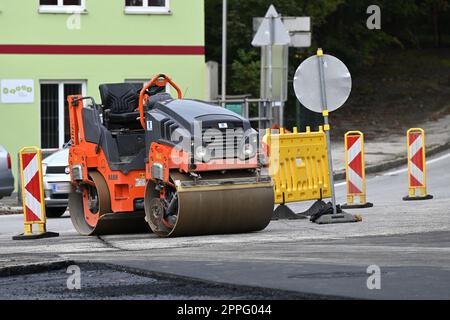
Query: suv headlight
{"type": "Point", "coordinates": [44, 169]}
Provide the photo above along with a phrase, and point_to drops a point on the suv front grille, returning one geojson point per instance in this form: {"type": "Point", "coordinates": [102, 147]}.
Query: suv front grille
{"type": "Point", "coordinates": [59, 196]}
{"type": "Point", "coordinates": [56, 170]}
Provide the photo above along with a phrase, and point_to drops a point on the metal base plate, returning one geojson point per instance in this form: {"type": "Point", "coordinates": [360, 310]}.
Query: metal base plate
{"type": "Point", "coordinates": [427, 197]}
{"type": "Point", "coordinates": [36, 236]}
{"type": "Point", "coordinates": [357, 206]}
{"type": "Point", "coordinates": [283, 212]}
{"type": "Point", "coordinates": [338, 218]}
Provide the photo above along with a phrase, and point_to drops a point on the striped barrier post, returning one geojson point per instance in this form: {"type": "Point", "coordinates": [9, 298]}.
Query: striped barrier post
{"type": "Point", "coordinates": [417, 175]}
{"type": "Point", "coordinates": [356, 172]}
{"type": "Point", "coordinates": [32, 195]}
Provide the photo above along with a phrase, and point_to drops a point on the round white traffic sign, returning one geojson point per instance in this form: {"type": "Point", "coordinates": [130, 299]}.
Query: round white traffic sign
{"type": "Point", "coordinates": [307, 83]}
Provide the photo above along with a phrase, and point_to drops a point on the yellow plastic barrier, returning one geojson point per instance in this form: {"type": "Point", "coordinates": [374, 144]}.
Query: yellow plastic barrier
{"type": "Point", "coordinates": [298, 165]}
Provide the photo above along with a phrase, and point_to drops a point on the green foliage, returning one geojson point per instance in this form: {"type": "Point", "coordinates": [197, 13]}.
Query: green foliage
{"type": "Point", "coordinates": [339, 26]}
{"type": "Point", "coordinates": [245, 69]}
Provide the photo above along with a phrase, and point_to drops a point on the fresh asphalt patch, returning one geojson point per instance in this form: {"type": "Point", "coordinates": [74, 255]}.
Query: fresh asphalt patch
{"type": "Point", "coordinates": [99, 281]}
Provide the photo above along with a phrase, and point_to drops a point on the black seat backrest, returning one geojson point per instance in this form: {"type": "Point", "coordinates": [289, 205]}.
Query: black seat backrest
{"type": "Point", "coordinates": [120, 97]}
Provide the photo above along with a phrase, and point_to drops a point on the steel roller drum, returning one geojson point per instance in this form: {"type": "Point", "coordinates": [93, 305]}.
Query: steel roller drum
{"type": "Point", "coordinates": [221, 209]}
{"type": "Point", "coordinates": [338, 83]}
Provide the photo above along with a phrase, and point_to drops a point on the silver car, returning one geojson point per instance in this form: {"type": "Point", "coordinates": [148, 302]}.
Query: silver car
{"type": "Point", "coordinates": [6, 176]}
{"type": "Point", "coordinates": [57, 184]}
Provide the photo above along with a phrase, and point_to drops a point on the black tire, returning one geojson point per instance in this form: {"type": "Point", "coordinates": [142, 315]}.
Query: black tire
{"type": "Point", "coordinates": [56, 212]}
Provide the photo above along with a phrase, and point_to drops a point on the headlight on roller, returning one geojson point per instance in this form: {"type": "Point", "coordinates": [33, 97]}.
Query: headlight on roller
{"type": "Point", "coordinates": [200, 153]}
{"type": "Point", "coordinates": [249, 149]}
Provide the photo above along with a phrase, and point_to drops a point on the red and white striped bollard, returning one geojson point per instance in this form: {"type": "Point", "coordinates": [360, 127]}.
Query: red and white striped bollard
{"type": "Point", "coordinates": [356, 172]}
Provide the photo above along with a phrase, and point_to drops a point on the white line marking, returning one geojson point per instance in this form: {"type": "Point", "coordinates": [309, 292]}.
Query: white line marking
{"type": "Point", "coordinates": [439, 159]}
{"type": "Point", "coordinates": [393, 173]}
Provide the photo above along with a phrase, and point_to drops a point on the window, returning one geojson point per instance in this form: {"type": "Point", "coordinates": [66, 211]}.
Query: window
{"type": "Point", "coordinates": [62, 6]}
{"type": "Point", "coordinates": [147, 7]}
{"type": "Point", "coordinates": [55, 127]}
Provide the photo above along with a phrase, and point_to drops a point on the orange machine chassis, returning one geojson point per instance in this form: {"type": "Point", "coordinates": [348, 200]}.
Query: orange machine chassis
{"type": "Point", "coordinates": [124, 189]}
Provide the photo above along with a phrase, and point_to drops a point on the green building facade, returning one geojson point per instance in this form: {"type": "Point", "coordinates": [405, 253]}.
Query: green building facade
{"type": "Point", "coordinates": [52, 48]}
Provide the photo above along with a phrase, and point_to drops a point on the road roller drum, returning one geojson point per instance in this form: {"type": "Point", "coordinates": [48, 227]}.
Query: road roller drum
{"type": "Point", "coordinates": [232, 204]}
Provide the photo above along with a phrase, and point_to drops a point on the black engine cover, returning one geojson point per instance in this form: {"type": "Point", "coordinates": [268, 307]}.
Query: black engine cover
{"type": "Point", "coordinates": [178, 122]}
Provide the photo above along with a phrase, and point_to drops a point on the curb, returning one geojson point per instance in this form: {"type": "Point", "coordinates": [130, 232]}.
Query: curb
{"type": "Point", "coordinates": [395, 163]}
{"type": "Point", "coordinates": [31, 268]}
{"type": "Point", "coordinates": [5, 211]}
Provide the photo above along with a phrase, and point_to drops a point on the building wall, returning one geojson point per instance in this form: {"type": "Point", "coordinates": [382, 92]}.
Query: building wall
{"type": "Point", "coordinates": [104, 24]}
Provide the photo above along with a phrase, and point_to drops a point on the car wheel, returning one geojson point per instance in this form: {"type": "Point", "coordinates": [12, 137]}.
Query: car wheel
{"type": "Point", "coordinates": [55, 212]}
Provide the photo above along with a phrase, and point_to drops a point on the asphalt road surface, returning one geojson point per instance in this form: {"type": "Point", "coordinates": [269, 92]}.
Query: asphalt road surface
{"type": "Point", "coordinates": [409, 242]}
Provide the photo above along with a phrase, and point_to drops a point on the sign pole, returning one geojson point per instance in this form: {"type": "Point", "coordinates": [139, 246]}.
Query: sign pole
{"type": "Point", "coordinates": [324, 93]}
{"type": "Point", "coordinates": [270, 57]}
{"type": "Point", "coordinates": [272, 32]}
{"type": "Point", "coordinates": [224, 52]}
{"type": "Point", "coordinates": [270, 66]}
{"type": "Point", "coordinates": [325, 114]}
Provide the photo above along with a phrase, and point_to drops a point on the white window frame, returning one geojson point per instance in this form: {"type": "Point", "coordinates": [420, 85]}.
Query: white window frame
{"type": "Point", "coordinates": [61, 109]}
{"type": "Point", "coordinates": [61, 8]}
{"type": "Point", "coordinates": [145, 9]}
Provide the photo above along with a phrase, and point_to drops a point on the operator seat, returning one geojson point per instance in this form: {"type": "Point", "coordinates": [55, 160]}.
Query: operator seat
{"type": "Point", "coordinates": [121, 100]}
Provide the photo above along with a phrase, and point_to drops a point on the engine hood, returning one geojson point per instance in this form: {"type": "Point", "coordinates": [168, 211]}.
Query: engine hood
{"type": "Point", "coordinates": [58, 159]}
{"type": "Point", "coordinates": [193, 110]}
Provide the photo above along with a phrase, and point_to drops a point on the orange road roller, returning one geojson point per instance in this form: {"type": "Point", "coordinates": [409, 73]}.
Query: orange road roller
{"type": "Point", "coordinates": [146, 161]}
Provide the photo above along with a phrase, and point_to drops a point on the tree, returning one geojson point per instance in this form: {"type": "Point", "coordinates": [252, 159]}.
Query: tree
{"type": "Point", "coordinates": [339, 26]}
{"type": "Point", "coordinates": [240, 30]}
{"type": "Point", "coordinates": [435, 9]}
